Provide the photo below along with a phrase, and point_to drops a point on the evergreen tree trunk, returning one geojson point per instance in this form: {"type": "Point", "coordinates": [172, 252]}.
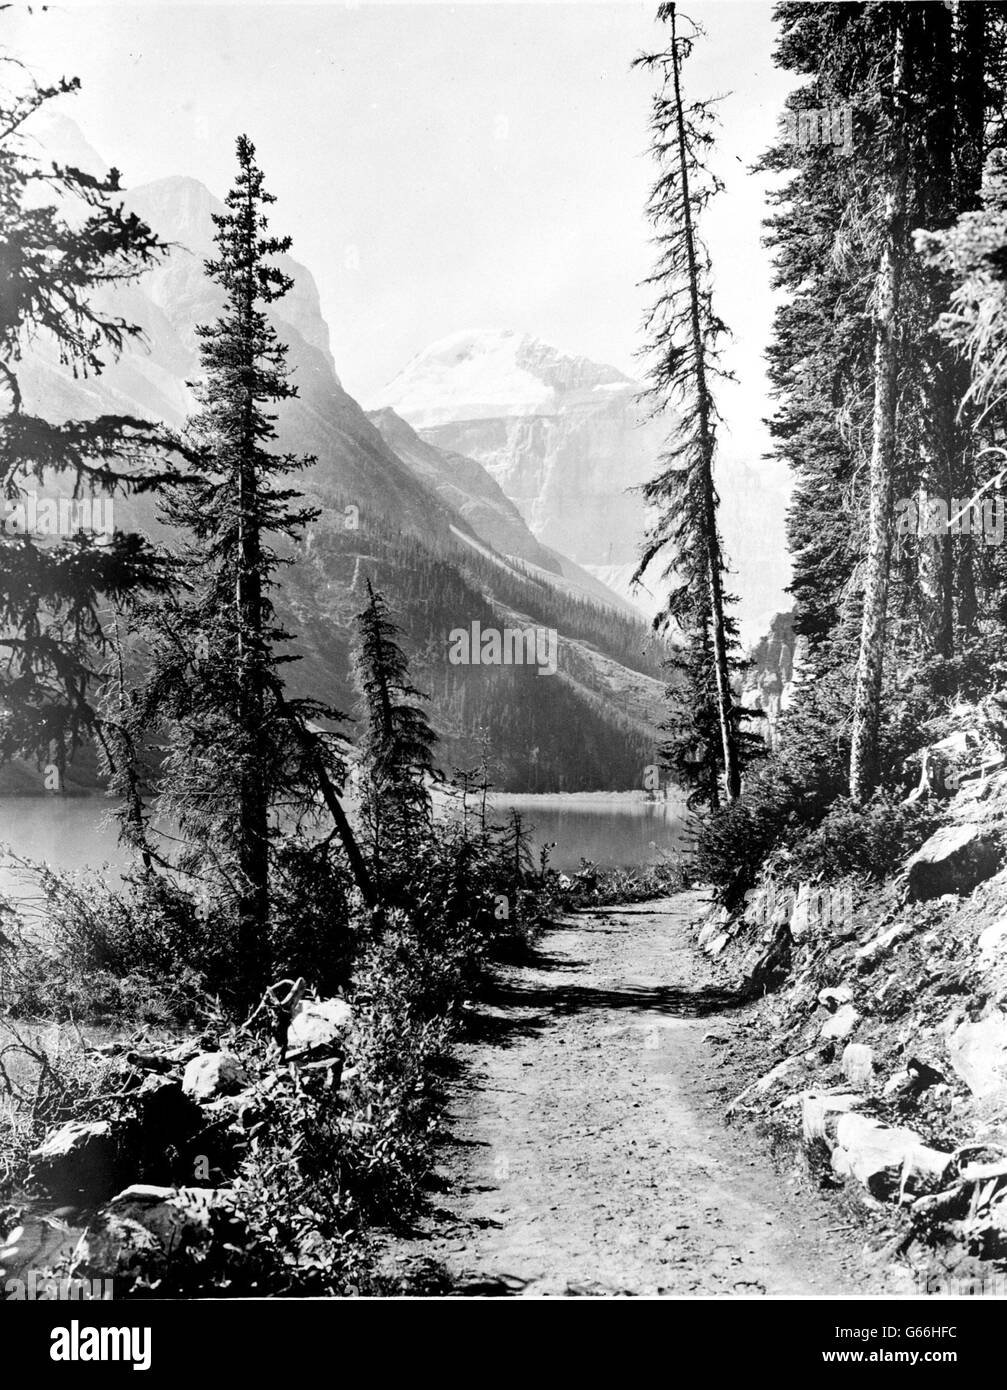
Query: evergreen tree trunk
{"type": "Point", "coordinates": [357, 863]}
{"type": "Point", "coordinates": [732, 766]}
{"type": "Point", "coordinates": [974, 39]}
{"type": "Point", "coordinates": [935, 566]}
{"type": "Point", "coordinates": [253, 810]}
{"type": "Point", "coordinates": [937, 576]}
{"type": "Point", "coordinates": [867, 696]}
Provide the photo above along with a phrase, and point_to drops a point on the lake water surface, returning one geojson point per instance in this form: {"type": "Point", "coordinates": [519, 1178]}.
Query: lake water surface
{"type": "Point", "coordinates": [612, 831]}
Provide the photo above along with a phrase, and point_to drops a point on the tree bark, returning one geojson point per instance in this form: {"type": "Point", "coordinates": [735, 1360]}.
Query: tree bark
{"type": "Point", "coordinates": [867, 696]}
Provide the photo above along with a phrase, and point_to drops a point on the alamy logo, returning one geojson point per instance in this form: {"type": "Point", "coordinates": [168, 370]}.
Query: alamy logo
{"type": "Point", "coordinates": [46, 1289]}
{"type": "Point", "coordinates": [831, 125]}
{"type": "Point", "coordinates": [76, 1343]}
{"type": "Point", "coordinates": [933, 516]}
{"type": "Point", "coordinates": [978, 515]}
{"type": "Point", "coordinates": [33, 514]}
{"type": "Point", "coordinates": [809, 909]}
{"type": "Point", "coordinates": [510, 646]}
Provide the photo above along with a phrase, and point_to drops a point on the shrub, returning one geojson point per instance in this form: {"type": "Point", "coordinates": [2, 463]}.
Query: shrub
{"type": "Point", "coordinates": [134, 952]}
{"type": "Point", "coordinates": [44, 1082]}
{"type": "Point", "coordinates": [594, 887]}
{"type": "Point", "coordinates": [871, 840]}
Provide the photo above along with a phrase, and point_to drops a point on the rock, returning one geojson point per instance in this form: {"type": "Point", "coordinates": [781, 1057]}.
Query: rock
{"type": "Point", "coordinates": [718, 943]}
{"type": "Point", "coordinates": [898, 1082]}
{"type": "Point", "coordinates": [981, 799]}
{"type": "Point", "coordinates": [873, 1153]}
{"type": "Point", "coordinates": [782, 1069]}
{"type": "Point", "coordinates": [152, 1202]}
{"type": "Point", "coordinates": [145, 1232]}
{"type": "Point", "coordinates": [924, 1170]}
{"type": "Point", "coordinates": [767, 1081]}
{"type": "Point", "coordinates": [79, 1161]}
{"type": "Point", "coordinates": [834, 996]}
{"type": "Point", "coordinates": [982, 1172]}
{"type": "Point", "coordinates": [978, 1053]}
{"type": "Point", "coordinates": [244, 1108]}
{"type": "Point", "coordinates": [870, 954]}
{"type": "Point", "coordinates": [857, 1064]}
{"type": "Point", "coordinates": [992, 943]}
{"type": "Point", "coordinates": [923, 1074]}
{"type": "Point", "coordinates": [954, 860]}
{"type": "Point", "coordinates": [709, 929]}
{"type": "Point", "coordinates": [841, 1024]}
{"type": "Point", "coordinates": [213, 1074]}
{"type": "Point", "coordinates": [816, 1111]}
{"type": "Point", "coordinates": [948, 1204]}
{"type": "Point", "coordinates": [911, 1082]}
{"type": "Point", "coordinates": [885, 986]}
{"type": "Point", "coordinates": [38, 1241]}
{"type": "Point", "coordinates": [161, 1104]}
{"type": "Point", "coordinates": [955, 745]}
{"type": "Point", "coordinates": [799, 919]}
{"type": "Point", "coordinates": [319, 1024]}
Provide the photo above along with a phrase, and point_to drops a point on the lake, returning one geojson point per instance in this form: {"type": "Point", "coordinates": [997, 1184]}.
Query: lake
{"type": "Point", "coordinates": [617, 830]}
{"type": "Point", "coordinates": [66, 833]}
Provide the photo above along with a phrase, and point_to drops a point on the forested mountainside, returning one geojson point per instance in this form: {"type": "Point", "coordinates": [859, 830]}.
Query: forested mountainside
{"type": "Point", "coordinates": [425, 526]}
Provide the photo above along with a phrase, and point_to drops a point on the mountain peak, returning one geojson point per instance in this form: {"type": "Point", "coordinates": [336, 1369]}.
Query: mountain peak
{"type": "Point", "coordinates": [53, 135]}
{"type": "Point", "coordinates": [491, 373]}
{"type": "Point", "coordinates": [181, 204]}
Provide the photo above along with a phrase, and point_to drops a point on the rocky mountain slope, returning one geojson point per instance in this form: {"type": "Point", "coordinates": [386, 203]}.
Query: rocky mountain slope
{"type": "Point", "coordinates": [467, 487]}
{"type": "Point", "coordinates": [769, 680]}
{"type": "Point", "coordinates": [434, 531]}
{"type": "Point", "coordinates": [567, 440]}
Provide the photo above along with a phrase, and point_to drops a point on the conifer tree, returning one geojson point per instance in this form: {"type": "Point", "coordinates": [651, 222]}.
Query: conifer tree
{"type": "Point", "coordinates": [240, 757]}
{"type": "Point", "coordinates": [684, 332]}
{"type": "Point", "coordinates": [869, 396]}
{"type": "Point", "coordinates": [396, 750]}
{"type": "Point", "coordinates": [65, 237]}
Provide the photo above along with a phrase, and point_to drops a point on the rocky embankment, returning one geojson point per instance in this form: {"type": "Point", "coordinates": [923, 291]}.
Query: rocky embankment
{"type": "Point", "coordinates": [150, 1189]}
{"type": "Point", "coordinates": [880, 1057]}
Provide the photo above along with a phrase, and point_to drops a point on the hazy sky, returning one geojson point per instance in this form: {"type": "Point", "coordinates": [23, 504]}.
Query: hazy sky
{"type": "Point", "coordinates": [440, 166]}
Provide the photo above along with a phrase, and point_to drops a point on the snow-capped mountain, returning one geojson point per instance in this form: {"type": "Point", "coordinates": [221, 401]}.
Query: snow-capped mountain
{"type": "Point", "coordinates": [431, 529]}
{"type": "Point", "coordinates": [494, 374]}
{"type": "Point", "coordinates": [563, 436]}
{"type": "Point", "coordinates": [569, 442]}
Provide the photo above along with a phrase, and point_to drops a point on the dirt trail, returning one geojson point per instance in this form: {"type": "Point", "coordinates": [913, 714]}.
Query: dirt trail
{"type": "Point", "coordinates": [588, 1151]}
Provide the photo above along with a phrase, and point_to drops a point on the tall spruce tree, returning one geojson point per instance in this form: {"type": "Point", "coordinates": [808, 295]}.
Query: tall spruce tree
{"type": "Point", "coordinates": [239, 754]}
{"type": "Point", "coordinates": [684, 331]}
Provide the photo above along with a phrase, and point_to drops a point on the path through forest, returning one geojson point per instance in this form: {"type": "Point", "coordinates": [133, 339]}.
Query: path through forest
{"type": "Point", "coordinates": [587, 1149]}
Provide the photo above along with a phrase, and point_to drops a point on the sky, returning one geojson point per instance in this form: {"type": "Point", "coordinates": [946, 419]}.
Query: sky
{"type": "Point", "coordinates": [442, 167]}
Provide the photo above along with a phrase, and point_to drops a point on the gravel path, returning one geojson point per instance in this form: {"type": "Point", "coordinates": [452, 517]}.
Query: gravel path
{"type": "Point", "coordinates": [587, 1150]}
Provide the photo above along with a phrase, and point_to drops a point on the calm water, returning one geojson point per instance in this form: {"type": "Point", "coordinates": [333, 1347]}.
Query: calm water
{"type": "Point", "coordinates": [610, 831]}
{"type": "Point", "coordinates": [67, 834]}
